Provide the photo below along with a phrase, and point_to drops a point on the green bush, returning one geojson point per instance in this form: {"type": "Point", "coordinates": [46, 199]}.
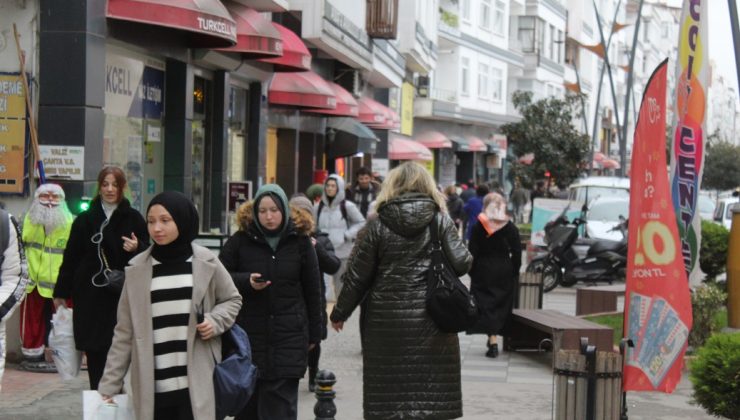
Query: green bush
{"type": "Point", "coordinates": [713, 253]}
{"type": "Point", "coordinates": [715, 373]}
{"type": "Point", "coordinates": [706, 301]}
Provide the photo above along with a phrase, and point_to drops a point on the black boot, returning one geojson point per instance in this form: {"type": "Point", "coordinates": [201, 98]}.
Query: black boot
{"type": "Point", "coordinates": [312, 380]}
{"type": "Point", "coordinates": [492, 350]}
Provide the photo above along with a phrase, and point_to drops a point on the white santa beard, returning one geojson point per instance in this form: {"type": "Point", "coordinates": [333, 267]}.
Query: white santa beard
{"type": "Point", "coordinates": [49, 217]}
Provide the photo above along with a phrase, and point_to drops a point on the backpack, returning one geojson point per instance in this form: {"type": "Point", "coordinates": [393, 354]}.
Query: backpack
{"type": "Point", "coordinates": [342, 208]}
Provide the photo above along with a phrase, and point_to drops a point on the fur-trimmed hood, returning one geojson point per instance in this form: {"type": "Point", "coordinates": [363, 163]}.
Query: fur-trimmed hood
{"type": "Point", "coordinates": [245, 219]}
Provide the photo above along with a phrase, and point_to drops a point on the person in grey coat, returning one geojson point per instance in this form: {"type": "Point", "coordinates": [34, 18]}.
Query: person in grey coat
{"type": "Point", "coordinates": [411, 369]}
{"type": "Point", "coordinates": [340, 219]}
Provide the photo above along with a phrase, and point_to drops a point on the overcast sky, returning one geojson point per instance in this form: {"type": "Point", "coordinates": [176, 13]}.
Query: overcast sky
{"type": "Point", "coordinates": [721, 49]}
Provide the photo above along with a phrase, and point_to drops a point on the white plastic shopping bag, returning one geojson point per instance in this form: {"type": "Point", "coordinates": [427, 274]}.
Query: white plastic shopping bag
{"type": "Point", "coordinates": [62, 343]}
{"type": "Point", "coordinates": [93, 407]}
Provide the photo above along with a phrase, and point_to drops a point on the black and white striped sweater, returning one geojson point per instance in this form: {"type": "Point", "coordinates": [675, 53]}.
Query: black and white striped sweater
{"type": "Point", "coordinates": [171, 293]}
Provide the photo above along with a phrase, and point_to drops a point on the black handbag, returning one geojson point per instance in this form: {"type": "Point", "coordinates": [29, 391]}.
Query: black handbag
{"type": "Point", "coordinates": [113, 278]}
{"type": "Point", "coordinates": [448, 302]}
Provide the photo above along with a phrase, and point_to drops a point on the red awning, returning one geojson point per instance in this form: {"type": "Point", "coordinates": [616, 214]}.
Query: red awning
{"type": "Point", "coordinates": [599, 157]}
{"type": "Point", "coordinates": [610, 164]}
{"type": "Point", "coordinates": [346, 104]}
{"type": "Point", "coordinates": [434, 140]}
{"type": "Point", "coordinates": [476, 144]}
{"type": "Point", "coordinates": [255, 35]}
{"type": "Point", "coordinates": [372, 112]}
{"type": "Point", "coordinates": [401, 147]}
{"type": "Point", "coordinates": [306, 89]}
{"type": "Point", "coordinates": [207, 22]}
{"type": "Point", "coordinates": [295, 54]}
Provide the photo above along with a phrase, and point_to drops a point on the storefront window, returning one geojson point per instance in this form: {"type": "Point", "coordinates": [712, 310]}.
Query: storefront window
{"type": "Point", "coordinates": [237, 134]}
{"type": "Point", "coordinates": [133, 132]}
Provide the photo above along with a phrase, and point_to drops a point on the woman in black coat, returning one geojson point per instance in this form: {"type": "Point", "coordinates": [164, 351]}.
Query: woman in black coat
{"type": "Point", "coordinates": [275, 269]}
{"type": "Point", "coordinates": [110, 230]}
{"type": "Point", "coordinates": [411, 369]}
{"type": "Point", "coordinates": [497, 258]}
{"type": "Point", "coordinates": [301, 209]}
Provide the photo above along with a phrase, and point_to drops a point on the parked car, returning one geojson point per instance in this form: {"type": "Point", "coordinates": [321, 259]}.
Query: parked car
{"type": "Point", "coordinates": [603, 215]}
{"type": "Point", "coordinates": [723, 212]}
{"type": "Point", "coordinates": [706, 207]}
{"type": "Point", "coordinates": [587, 189]}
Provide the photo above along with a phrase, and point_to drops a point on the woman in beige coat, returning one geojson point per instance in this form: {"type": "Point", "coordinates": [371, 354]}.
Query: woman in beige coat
{"type": "Point", "coordinates": [176, 302]}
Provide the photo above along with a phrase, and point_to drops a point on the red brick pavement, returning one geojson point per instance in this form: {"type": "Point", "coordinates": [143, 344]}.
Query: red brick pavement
{"type": "Point", "coordinates": [22, 388]}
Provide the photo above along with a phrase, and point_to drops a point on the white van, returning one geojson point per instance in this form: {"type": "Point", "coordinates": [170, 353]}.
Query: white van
{"type": "Point", "coordinates": [587, 189]}
{"type": "Point", "coordinates": [723, 211]}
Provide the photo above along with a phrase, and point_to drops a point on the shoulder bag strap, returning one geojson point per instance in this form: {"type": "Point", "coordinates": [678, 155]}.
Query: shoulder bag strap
{"type": "Point", "coordinates": [437, 261]}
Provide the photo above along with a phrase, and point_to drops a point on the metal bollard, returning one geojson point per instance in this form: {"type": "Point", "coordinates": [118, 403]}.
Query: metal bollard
{"type": "Point", "coordinates": [325, 409]}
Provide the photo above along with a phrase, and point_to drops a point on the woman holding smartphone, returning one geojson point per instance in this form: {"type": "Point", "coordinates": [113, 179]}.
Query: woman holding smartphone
{"type": "Point", "coordinates": [274, 267]}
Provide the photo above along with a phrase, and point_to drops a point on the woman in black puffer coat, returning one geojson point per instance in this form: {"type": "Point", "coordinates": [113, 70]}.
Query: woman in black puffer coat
{"type": "Point", "coordinates": [98, 232]}
{"type": "Point", "coordinates": [275, 269]}
{"type": "Point", "coordinates": [404, 354]}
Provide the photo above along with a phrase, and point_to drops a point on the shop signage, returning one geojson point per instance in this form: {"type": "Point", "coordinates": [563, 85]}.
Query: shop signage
{"type": "Point", "coordinates": [63, 162]}
{"type": "Point", "coordinates": [407, 109]}
{"type": "Point", "coordinates": [239, 193]}
{"type": "Point", "coordinates": [132, 88]}
{"type": "Point", "coordinates": [12, 133]}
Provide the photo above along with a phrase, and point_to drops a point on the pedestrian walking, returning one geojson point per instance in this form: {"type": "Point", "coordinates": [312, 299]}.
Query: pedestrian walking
{"type": "Point", "coordinates": [497, 258]}
{"type": "Point", "coordinates": [45, 232]}
{"type": "Point", "coordinates": [176, 302]}
{"type": "Point", "coordinates": [364, 191]}
{"type": "Point", "coordinates": [103, 238]}
{"type": "Point", "coordinates": [275, 268]}
{"type": "Point", "coordinates": [13, 278]}
{"type": "Point", "coordinates": [341, 219]}
{"type": "Point", "coordinates": [473, 207]}
{"type": "Point", "coordinates": [519, 201]}
{"type": "Point", "coordinates": [455, 206]}
{"type": "Point", "coordinates": [329, 263]}
{"type": "Point", "coordinates": [410, 368]}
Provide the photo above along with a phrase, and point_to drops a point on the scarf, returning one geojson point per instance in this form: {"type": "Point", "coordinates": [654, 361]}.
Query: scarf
{"type": "Point", "coordinates": [185, 216]}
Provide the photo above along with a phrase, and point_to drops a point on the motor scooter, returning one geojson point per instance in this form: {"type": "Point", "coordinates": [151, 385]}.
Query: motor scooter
{"type": "Point", "coordinates": [604, 260]}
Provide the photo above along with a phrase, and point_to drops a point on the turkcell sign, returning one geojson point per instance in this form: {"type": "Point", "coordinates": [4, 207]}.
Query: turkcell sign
{"type": "Point", "coordinates": [217, 26]}
{"type": "Point", "coordinates": [133, 88]}
{"type": "Point", "coordinates": [687, 157]}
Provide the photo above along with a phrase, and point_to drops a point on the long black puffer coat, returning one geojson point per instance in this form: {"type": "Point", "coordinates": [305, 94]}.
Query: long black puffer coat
{"type": "Point", "coordinates": [95, 307]}
{"type": "Point", "coordinates": [285, 317]}
{"type": "Point", "coordinates": [410, 368]}
{"type": "Point", "coordinates": [493, 278]}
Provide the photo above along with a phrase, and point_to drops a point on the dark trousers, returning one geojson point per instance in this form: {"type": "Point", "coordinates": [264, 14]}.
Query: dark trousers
{"type": "Point", "coordinates": [313, 360]}
{"type": "Point", "coordinates": [273, 399]}
{"type": "Point", "coordinates": [182, 411]}
{"type": "Point", "coordinates": [95, 366]}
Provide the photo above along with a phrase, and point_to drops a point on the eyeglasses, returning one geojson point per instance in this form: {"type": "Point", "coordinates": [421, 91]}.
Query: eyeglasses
{"type": "Point", "coordinates": [49, 197]}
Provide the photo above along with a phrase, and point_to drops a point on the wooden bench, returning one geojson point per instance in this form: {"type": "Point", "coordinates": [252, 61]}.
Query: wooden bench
{"type": "Point", "coordinates": [531, 328]}
{"type": "Point", "coordinates": [598, 299]}
{"type": "Point", "coordinates": [529, 291]}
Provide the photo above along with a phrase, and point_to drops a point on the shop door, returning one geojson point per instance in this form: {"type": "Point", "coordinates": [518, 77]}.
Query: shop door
{"type": "Point", "coordinates": [201, 161]}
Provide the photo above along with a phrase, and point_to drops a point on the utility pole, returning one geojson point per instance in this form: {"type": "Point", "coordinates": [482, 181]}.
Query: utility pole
{"type": "Point", "coordinates": [630, 73]}
{"type": "Point", "coordinates": [735, 36]}
{"type": "Point", "coordinates": [611, 79]}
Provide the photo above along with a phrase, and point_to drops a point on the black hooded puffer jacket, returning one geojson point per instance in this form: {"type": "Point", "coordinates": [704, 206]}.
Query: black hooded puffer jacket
{"type": "Point", "coordinates": [404, 354]}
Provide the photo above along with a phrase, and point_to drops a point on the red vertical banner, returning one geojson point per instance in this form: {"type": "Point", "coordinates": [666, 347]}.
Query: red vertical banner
{"type": "Point", "coordinates": [657, 309]}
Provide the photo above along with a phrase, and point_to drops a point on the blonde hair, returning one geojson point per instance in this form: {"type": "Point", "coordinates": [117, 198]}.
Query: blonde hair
{"type": "Point", "coordinates": [410, 177]}
{"type": "Point", "coordinates": [491, 197]}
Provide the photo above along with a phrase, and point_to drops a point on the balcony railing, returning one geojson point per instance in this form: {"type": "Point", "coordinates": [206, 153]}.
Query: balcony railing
{"type": "Point", "coordinates": [382, 19]}
{"type": "Point", "coordinates": [444, 95]}
{"type": "Point", "coordinates": [333, 15]}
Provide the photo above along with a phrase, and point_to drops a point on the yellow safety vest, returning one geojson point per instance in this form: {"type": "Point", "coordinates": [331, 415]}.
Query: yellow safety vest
{"type": "Point", "coordinates": [44, 254]}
